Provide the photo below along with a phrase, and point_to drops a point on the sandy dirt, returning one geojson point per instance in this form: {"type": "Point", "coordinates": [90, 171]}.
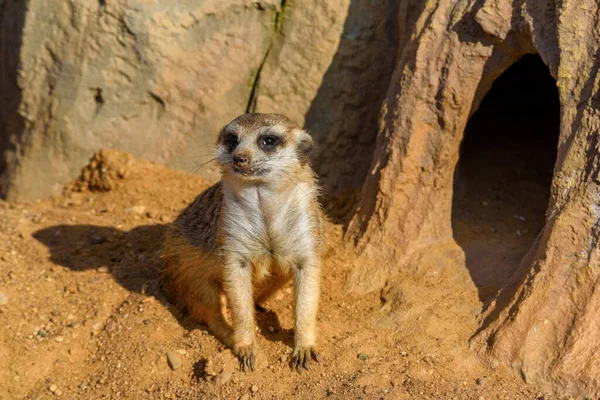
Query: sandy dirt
{"type": "Point", "coordinates": [82, 314]}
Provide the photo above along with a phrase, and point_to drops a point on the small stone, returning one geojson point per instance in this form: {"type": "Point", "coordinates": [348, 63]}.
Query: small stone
{"type": "Point", "coordinates": [103, 270]}
{"type": "Point", "coordinates": [222, 378]}
{"type": "Point", "coordinates": [164, 218]}
{"type": "Point", "coordinates": [42, 333]}
{"type": "Point", "coordinates": [71, 288]}
{"type": "Point", "coordinates": [245, 397]}
{"type": "Point", "coordinates": [3, 299]}
{"type": "Point", "coordinates": [58, 392]}
{"type": "Point", "coordinates": [271, 329]}
{"type": "Point", "coordinates": [136, 210]}
{"type": "Point", "coordinates": [174, 360]}
{"type": "Point", "coordinates": [254, 388]}
{"type": "Point", "coordinates": [363, 356]}
{"type": "Point", "coordinates": [367, 390]}
{"type": "Point", "coordinates": [97, 239]}
{"type": "Point", "coordinates": [59, 339]}
{"type": "Point", "coordinates": [110, 326]}
{"type": "Point", "coordinates": [53, 388]}
{"type": "Point", "coordinates": [481, 381]}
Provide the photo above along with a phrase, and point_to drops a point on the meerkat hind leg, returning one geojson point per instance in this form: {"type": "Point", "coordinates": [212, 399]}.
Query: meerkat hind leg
{"type": "Point", "coordinates": [209, 310]}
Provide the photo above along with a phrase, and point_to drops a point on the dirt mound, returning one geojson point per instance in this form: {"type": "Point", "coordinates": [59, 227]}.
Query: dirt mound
{"type": "Point", "coordinates": [105, 168]}
{"type": "Point", "coordinates": [82, 314]}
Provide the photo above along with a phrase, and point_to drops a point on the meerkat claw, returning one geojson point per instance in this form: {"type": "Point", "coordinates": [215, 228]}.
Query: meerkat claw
{"type": "Point", "coordinates": [246, 357]}
{"type": "Point", "coordinates": [301, 359]}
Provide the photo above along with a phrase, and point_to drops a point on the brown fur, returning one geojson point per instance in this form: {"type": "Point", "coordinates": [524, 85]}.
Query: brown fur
{"type": "Point", "coordinates": [248, 235]}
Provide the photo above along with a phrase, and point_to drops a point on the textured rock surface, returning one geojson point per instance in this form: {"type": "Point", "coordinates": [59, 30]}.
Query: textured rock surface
{"type": "Point", "coordinates": [157, 79]}
{"type": "Point", "coordinates": [329, 69]}
{"type": "Point", "coordinates": [546, 322]}
{"type": "Point", "coordinates": [160, 79]}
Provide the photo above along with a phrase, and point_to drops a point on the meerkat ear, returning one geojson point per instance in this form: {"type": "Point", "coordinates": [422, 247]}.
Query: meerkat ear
{"type": "Point", "coordinates": [304, 147]}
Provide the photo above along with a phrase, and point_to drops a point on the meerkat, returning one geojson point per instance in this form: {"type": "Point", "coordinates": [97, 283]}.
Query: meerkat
{"type": "Point", "coordinates": [248, 235]}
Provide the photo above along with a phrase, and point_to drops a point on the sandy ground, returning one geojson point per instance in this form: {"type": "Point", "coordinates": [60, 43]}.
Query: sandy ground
{"type": "Point", "coordinates": [82, 315]}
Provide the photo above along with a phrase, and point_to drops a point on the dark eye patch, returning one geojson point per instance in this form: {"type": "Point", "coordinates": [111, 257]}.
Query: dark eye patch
{"type": "Point", "coordinates": [231, 141]}
{"type": "Point", "coordinates": [269, 142]}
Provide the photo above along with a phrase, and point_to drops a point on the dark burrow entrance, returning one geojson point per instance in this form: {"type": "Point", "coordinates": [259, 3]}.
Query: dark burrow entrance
{"type": "Point", "coordinates": [502, 181]}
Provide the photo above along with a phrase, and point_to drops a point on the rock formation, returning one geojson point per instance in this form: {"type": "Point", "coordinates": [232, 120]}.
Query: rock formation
{"type": "Point", "coordinates": [545, 322]}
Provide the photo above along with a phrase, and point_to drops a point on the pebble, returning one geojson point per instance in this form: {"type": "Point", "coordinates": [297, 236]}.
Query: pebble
{"type": "Point", "coordinates": [481, 381]}
{"type": "Point", "coordinates": [245, 397]}
{"type": "Point", "coordinates": [103, 270]}
{"type": "Point", "coordinates": [271, 329]}
{"type": "Point", "coordinates": [222, 378]}
{"type": "Point", "coordinates": [110, 326]}
{"type": "Point", "coordinates": [59, 339]}
{"type": "Point", "coordinates": [254, 388]}
{"type": "Point", "coordinates": [71, 288]}
{"type": "Point", "coordinates": [42, 333]}
{"type": "Point", "coordinates": [97, 239]}
{"type": "Point", "coordinates": [136, 210]}
{"type": "Point", "coordinates": [3, 299]}
{"type": "Point", "coordinates": [363, 356]}
{"type": "Point", "coordinates": [174, 360]}
{"type": "Point", "coordinates": [53, 388]}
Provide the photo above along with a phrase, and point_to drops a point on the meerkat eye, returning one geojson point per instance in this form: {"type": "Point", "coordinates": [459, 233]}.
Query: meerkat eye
{"type": "Point", "coordinates": [268, 142]}
{"type": "Point", "coordinates": [231, 141]}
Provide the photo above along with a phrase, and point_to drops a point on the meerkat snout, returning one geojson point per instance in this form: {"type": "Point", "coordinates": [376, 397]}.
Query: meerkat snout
{"type": "Point", "coordinates": [240, 160]}
{"type": "Point", "coordinates": [261, 147]}
{"type": "Point", "coordinates": [250, 234]}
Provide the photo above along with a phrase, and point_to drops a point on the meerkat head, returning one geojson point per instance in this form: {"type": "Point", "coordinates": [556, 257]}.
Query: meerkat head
{"type": "Point", "coordinates": [262, 147]}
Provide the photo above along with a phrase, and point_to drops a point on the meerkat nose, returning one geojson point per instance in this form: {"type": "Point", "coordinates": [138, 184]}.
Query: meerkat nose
{"type": "Point", "coordinates": [240, 160]}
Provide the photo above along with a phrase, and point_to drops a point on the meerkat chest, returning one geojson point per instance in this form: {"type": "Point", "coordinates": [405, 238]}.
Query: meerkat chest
{"type": "Point", "coordinates": [259, 222]}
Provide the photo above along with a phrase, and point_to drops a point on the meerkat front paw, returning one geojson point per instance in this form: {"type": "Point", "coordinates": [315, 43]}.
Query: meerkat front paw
{"type": "Point", "coordinates": [246, 355]}
{"type": "Point", "coordinates": [301, 357]}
